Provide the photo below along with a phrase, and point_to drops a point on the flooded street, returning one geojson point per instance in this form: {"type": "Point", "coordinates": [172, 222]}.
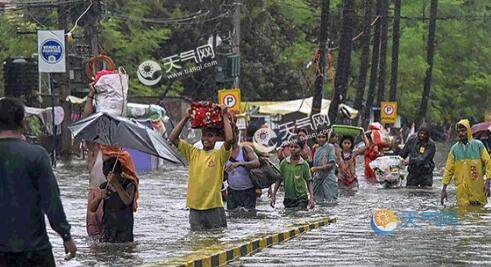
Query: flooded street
{"type": "Point", "coordinates": [162, 231]}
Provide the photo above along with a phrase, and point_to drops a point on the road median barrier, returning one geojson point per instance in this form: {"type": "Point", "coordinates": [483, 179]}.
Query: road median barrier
{"type": "Point", "coordinates": [220, 255]}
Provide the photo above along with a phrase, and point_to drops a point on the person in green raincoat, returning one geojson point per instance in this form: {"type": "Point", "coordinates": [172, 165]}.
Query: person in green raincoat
{"type": "Point", "coordinates": [467, 163]}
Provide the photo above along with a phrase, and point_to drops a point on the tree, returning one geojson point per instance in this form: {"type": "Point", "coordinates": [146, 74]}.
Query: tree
{"type": "Point", "coordinates": [429, 59]}
{"type": "Point", "coordinates": [344, 59]}
{"type": "Point", "coordinates": [374, 66]}
{"type": "Point", "coordinates": [395, 50]}
{"type": "Point", "coordinates": [362, 77]}
{"type": "Point", "coordinates": [321, 68]}
{"type": "Point", "coordinates": [383, 52]}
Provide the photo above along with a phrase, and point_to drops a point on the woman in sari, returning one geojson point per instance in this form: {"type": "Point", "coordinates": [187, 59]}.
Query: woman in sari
{"type": "Point", "coordinates": [324, 167]}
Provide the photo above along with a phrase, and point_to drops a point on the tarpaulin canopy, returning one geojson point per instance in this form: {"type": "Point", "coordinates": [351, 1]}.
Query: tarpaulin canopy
{"type": "Point", "coordinates": [303, 105]}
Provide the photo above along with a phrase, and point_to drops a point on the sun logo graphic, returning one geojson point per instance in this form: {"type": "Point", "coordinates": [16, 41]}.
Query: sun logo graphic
{"type": "Point", "coordinates": [383, 221]}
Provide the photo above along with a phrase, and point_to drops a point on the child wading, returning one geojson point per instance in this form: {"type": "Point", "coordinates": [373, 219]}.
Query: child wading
{"type": "Point", "coordinates": [298, 181]}
{"type": "Point", "coordinates": [347, 163]}
{"type": "Point", "coordinates": [118, 195]}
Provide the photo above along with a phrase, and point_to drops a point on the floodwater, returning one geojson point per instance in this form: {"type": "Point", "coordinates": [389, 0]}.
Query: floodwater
{"type": "Point", "coordinates": [162, 230]}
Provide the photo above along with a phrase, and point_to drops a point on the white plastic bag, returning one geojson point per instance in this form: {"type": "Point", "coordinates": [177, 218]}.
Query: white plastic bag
{"type": "Point", "coordinates": [387, 168]}
{"type": "Point", "coordinates": [111, 93]}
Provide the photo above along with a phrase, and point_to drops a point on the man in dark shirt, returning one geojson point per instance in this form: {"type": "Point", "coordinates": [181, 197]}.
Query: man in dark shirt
{"type": "Point", "coordinates": [28, 190]}
{"type": "Point", "coordinates": [419, 152]}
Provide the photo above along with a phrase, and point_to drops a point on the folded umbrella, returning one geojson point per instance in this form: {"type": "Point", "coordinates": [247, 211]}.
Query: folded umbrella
{"type": "Point", "coordinates": [111, 130]}
{"type": "Point", "coordinates": [481, 127]}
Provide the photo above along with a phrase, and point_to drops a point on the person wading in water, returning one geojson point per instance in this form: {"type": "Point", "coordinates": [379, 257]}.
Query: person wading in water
{"type": "Point", "coordinates": [28, 191]}
{"type": "Point", "coordinates": [118, 196]}
{"type": "Point", "coordinates": [205, 174]}
{"type": "Point", "coordinates": [241, 191]}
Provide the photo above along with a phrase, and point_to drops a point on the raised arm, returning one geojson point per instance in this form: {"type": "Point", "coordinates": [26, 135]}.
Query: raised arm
{"type": "Point", "coordinates": [227, 127]}
{"type": "Point", "coordinates": [174, 135]}
{"type": "Point", "coordinates": [89, 108]}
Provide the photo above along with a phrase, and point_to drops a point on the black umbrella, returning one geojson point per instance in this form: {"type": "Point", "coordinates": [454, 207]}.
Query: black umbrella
{"type": "Point", "coordinates": [111, 130]}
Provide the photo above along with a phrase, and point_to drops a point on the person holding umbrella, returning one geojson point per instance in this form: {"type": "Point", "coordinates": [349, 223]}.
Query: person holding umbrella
{"type": "Point", "coordinates": [205, 175]}
{"type": "Point", "coordinates": [119, 194]}
{"type": "Point", "coordinates": [96, 155]}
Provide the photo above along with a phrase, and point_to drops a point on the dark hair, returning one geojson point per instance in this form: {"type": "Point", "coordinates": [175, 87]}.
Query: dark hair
{"type": "Point", "coordinates": [323, 131]}
{"type": "Point", "coordinates": [214, 131]}
{"type": "Point", "coordinates": [108, 166]}
{"type": "Point", "coordinates": [11, 114]}
{"type": "Point", "coordinates": [349, 138]}
{"type": "Point", "coordinates": [302, 130]}
{"type": "Point", "coordinates": [293, 140]}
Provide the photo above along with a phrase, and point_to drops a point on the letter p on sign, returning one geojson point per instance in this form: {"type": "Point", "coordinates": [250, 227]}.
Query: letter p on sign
{"type": "Point", "coordinates": [230, 98]}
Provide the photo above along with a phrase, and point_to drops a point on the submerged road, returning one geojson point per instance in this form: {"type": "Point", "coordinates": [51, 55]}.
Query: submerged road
{"type": "Point", "coordinates": [162, 231]}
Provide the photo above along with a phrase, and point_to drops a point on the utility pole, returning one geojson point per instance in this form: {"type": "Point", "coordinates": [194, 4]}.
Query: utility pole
{"type": "Point", "coordinates": [63, 87]}
{"type": "Point", "coordinates": [321, 68]}
{"type": "Point", "coordinates": [91, 28]}
{"type": "Point", "coordinates": [429, 58]}
{"type": "Point", "coordinates": [374, 67]}
{"type": "Point", "coordinates": [395, 50]}
{"type": "Point", "coordinates": [344, 60]}
{"type": "Point", "coordinates": [236, 48]}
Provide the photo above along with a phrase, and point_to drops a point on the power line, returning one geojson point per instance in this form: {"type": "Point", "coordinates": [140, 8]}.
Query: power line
{"type": "Point", "coordinates": [187, 20]}
{"type": "Point", "coordinates": [39, 4]}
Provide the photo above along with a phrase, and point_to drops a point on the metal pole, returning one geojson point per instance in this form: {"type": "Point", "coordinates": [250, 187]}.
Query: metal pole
{"type": "Point", "coordinates": [236, 48]}
{"type": "Point", "coordinates": [53, 126]}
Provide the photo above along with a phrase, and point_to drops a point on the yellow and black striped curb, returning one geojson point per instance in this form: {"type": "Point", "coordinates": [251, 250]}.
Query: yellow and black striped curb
{"type": "Point", "coordinates": [219, 256]}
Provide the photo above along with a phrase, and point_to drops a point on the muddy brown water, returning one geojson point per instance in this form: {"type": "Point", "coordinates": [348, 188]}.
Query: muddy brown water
{"type": "Point", "coordinates": [162, 230]}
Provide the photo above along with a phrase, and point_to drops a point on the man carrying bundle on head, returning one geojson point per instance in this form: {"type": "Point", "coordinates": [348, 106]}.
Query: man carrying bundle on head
{"type": "Point", "coordinates": [205, 175]}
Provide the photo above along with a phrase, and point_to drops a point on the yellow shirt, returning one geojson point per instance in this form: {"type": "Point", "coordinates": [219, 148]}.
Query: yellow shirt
{"type": "Point", "coordinates": [205, 176]}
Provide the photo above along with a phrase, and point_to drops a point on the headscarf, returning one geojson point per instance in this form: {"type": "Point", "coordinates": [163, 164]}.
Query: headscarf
{"type": "Point", "coordinates": [128, 167]}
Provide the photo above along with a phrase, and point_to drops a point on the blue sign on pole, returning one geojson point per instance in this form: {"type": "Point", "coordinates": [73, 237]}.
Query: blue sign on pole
{"type": "Point", "coordinates": [51, 51]}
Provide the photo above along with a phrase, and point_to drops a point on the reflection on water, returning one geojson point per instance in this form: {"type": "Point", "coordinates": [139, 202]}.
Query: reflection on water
{"type": "Point", "coordinates": [162, 230]}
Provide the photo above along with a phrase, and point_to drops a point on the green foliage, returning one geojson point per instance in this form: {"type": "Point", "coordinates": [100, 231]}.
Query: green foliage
{"type": "Point", "coordinates": [13, 44]}
{"type": "Point", "coordinates": [278, 39]}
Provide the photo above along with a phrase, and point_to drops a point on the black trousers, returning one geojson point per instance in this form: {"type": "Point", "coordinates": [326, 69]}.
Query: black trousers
{"type": "Point", "coordinates": [241, 198]}
{"type": "Point", "coordinates": [201, 220]}
{"type": "Point", "coordinates": [300, 203]}
{"type": "Point", "coordinates": [418, 179]}
{"type": "Point", "coordinates": [42, 258]}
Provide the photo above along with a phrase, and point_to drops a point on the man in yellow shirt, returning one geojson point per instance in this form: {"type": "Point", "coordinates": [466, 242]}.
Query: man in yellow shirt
{"type": "Point", "coordinates": [205, 176]}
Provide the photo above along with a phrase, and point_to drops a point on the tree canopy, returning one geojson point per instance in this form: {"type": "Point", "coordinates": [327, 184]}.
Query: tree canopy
{"type": "Point", "coordinates": [278, 40]}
